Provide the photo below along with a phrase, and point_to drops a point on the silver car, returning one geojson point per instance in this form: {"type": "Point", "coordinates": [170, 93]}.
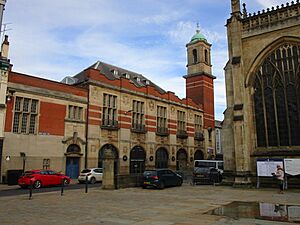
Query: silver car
{"type": "Point", "coordinates": [93, 175]}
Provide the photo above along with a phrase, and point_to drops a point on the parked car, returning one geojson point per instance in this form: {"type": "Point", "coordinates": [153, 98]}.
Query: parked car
{"type": "Point", "coordinates": [161, 178]}
{"type": "Point", "coordinates": [93, 175]}
{"type": "Point", "coordinates": [42, 178]}
{"type": "Point", "coordinates": [206, 175]}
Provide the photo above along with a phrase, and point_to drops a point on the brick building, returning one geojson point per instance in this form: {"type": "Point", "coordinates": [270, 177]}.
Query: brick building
{"type": "Point", "coordinates": [67, 125]}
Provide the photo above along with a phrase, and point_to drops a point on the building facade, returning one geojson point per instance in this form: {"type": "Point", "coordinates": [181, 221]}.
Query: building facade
{"type": "Point", "coordinates": [68, 126]}
{"type": "Point", "coordinates": [262, 88]}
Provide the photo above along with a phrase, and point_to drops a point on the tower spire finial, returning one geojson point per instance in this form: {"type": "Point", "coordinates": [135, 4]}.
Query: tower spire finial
{"type": "Point", "coordinates": [235, 6]}
{"type": "Point", "coordinates": [198, 28]}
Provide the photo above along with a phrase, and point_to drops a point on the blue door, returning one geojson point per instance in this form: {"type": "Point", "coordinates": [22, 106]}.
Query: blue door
{"type": "Point", "coordinates": [72, 167]}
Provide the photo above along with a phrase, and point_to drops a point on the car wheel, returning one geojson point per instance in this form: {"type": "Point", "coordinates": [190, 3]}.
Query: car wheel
{"type": "Point", "coordinates": [162, 185]}
{"type": "Point", "coordinates": [93, 180]}
{"type": "Point", "coordinates": [66, 182]}
{"type": "Point", "coordinates": [179, 183]}
{"type": "Point", "coordinates": [37, 184]}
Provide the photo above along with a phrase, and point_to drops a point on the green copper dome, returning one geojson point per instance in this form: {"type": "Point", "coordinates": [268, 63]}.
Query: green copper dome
{"type": "Point", "coordinates": [198, 37]}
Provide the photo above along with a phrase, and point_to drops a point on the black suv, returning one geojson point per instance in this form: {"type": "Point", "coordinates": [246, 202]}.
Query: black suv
{"type": "Point", "coordinates": [161, 178]}
{"type": "Point", "coordinates": [206, 175]}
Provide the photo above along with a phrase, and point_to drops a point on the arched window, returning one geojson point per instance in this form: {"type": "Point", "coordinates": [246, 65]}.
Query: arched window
{"type": "Point", "coordinates": [206, 55]}
{"type": "Point", "coordinates": [195, 56]}
{"type": "Point", "coordinates": [73, 148]}
{"type": "Point", "coordinates": [277, 98]}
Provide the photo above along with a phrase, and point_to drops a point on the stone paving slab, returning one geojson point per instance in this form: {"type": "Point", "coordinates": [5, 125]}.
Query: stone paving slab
{"type": "Point", "coordinates": [184, 205]}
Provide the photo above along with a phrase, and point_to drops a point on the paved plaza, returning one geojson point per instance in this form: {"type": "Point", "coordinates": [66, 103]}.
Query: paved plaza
{"type": "Point", "coordinates": [184, 205]}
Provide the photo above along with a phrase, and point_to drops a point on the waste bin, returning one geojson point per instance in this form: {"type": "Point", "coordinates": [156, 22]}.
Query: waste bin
{"type": "Point", "coordinates": [13, 176]}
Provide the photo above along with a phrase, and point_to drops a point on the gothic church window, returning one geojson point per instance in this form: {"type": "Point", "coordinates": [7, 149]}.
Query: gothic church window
{"type": "Point", "coordinates": [277, 98]}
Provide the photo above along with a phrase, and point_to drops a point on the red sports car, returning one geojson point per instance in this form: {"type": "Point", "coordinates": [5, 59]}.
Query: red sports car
{"type": "Point", "coordinates": [41, 178]}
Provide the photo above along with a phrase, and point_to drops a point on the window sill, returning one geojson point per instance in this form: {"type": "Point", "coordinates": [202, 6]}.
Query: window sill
{"type": "Point", "coordinates": [108, 127]}
{"type": "Point", "coordinates": [74, 121]}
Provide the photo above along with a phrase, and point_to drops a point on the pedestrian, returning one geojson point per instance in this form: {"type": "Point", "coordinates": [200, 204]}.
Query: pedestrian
{"type": "Point", "coordinates": [279, 174]}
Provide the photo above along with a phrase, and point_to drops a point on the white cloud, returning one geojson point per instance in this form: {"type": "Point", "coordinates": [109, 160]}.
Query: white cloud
{"type": "Point", "coordinates": [57, 38]}
{"type": "Point", "coordinates": [269, 3]}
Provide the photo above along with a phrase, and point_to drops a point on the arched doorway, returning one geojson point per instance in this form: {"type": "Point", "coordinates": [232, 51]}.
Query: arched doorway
{"type": "Point", "coordinates": [72, 162]}
{"type": "Point", "coordinates": [198, 155]}
{"type": "Point", "coordinates": [161, 158]}
{"type": "Point", "coordinates": [182, 159]}
{"type": "Point", "coordinates": [137, 160]}
{"type": "Point", "coordinates": [101, 155]}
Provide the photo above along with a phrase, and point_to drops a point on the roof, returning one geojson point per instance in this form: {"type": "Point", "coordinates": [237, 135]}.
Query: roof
{"type": "Point", "coordinates": [112, 72]}
{"type": "Point", "coordinates": [218, 123]}
{"type": "Point", "coordinates": [198, 37]}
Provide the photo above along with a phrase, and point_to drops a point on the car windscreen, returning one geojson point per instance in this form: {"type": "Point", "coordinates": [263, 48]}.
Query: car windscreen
{"type": "Point", "coordinates": [221, 165]}
{"type": "Point", "coordinates": [205, 164]}
{"type": "Point", "coordinates": [85, 171]}
{"type": "Point", "coordinates": [150, 173]}
{"type": "Point", "coordinates": [202, 169]}
{"type": "Point", "coordinates": [28, 173]}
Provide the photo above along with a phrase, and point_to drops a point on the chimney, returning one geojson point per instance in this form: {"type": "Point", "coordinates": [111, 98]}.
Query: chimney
{"type": "Point", "coordinates": [5, 47]}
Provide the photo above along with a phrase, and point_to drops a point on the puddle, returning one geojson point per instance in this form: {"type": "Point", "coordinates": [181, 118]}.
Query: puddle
{"type": "Point", "coordinates": [258, 210]}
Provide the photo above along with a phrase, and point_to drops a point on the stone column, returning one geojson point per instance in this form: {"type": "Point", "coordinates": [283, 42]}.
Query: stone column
{"type": "Point", "coordinates": [108, 181]}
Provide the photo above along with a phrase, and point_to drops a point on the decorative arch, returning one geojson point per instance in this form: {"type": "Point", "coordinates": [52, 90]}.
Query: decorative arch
{"type": "Point", "coordinates": [198, 155]}
{"type": "Point", "coordinates": [161, 158]}
{"type": "Point", "coordinates": [276, 98]}
{"type": "Point", "coordinates": [182, 159]}
{"type": "Point", "coordinates": [250, 78]}
{"type": "Point", "coordinates": [195, 56]}
{"type": "Point", "coordinates": [101, 155]}
{"type": "Point", "coordinates": [137, 160]}
{"type": "Point", "coordinates": [73, 149]}
{"type": "Point", "coordinates": [206, 55]}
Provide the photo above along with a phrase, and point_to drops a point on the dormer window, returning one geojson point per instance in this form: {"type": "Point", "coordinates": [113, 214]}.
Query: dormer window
{"type": "Point", "coordinates": [115, 72]}
{"type": "Point", "coordinates": [138, 79]}
{"type": "Point", "coordinates": [147, 82]}
{"type": "Point", "coordinates": [126, 75]}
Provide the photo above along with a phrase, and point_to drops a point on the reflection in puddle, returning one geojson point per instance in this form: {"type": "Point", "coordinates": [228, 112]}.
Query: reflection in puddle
{"type": "Point", "coordinates": [257, 210]}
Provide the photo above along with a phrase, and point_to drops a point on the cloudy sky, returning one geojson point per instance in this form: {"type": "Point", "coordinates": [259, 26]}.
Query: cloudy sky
{"type": "Point", "coordinates": [57, 38]}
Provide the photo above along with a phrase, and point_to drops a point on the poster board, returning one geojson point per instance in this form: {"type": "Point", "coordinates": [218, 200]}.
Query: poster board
{"type": "Point", "coordinates": [292, 166]}
{"type": "Point", "coordinates": [265, 167]}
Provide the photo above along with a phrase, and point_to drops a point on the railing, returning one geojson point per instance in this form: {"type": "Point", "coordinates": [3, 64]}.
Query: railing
{"type": "Point", "coordinates": [138, 128]}
{"type": "Point", "coordinates": [199, 136]}
{"type": "Point", "coordinates": [110, 124]}
{"type": "Point", "coordinates": [162, 131]}
{"type": "Point", "coordinates": [270, 16]}
{"type": "Point", "coordinates": [182, 134]}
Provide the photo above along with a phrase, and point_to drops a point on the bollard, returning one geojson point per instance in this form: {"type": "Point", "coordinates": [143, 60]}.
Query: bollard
{"type": "Point", "coordinates": [62, 187]}
{"type": "Point", "coordinates": [30, 189]}
{"type": "Point", "coordinates": [86, 184]}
